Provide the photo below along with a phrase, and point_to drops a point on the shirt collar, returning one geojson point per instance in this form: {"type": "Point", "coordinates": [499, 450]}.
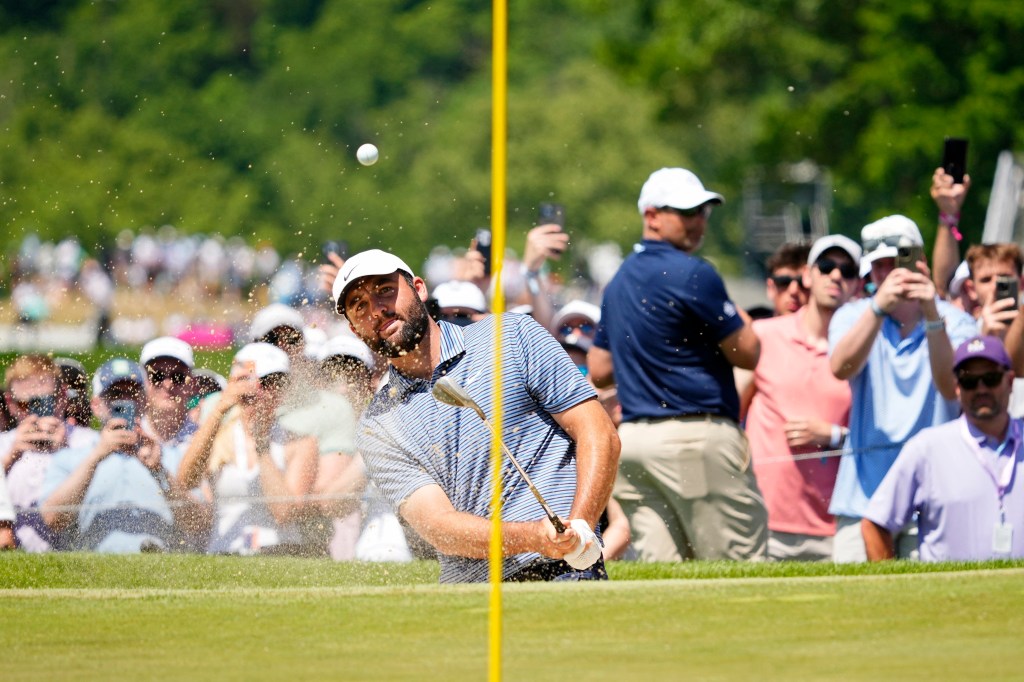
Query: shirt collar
{"type": "Point", "coordinates": [453, 347]}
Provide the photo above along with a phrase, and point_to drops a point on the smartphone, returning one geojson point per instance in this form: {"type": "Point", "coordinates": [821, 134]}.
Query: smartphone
{"type": "Point", "coordinates": [483, 245]}
{"type": "Point", "coordinates": [908, 256]}
{"type": "Point", "coordinates": [954, 158]}
{"type": "Point", "coordinates": [338, 247]}
{"type": "Point", "coordinates": [123, 409]}
{"type": "Point", "coordinates": [1007, 286]}
{"type": "Point", "coordinates": [551, 214]}
{"type": "Point", "coordinates": [42, 406]}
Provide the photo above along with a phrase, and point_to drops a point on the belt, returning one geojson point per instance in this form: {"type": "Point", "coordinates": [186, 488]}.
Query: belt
{"type": "Point", "coordinates": [690, 416]}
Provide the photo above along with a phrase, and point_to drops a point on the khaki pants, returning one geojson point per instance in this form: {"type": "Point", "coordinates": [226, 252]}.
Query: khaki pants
{"type": "Point", "coordinates": [689, 492]}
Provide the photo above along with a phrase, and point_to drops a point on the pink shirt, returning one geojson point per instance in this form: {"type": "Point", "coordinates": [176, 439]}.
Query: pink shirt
{"type": "Point", "coordinates": [794, 381]}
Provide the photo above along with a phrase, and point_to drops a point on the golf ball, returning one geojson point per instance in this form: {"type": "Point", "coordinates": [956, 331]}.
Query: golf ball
{"type": "Point", "coordinates": [367, 154]}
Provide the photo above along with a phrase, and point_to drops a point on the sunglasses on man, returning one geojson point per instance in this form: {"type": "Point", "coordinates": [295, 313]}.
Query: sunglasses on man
{"type": "Point", "coordinates": [782, 282]}
{"type": "Point", "coordinates": [847, 270]}
{"type": "Point", "coordinates": [969, 382]}
{"type": "Point", "coordinates": [177, 378]}
{"type": "Point", "coordinates": [892, 240]}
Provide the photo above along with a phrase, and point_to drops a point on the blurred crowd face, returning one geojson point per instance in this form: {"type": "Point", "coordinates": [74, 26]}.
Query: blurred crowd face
{"type": "Point", "coordinates": [579, 325]}
{"type": "Point", "coordinates": [983, 278]}
{"type": "Point", "coordinates": [34, 394]}
{"type": "Point", "coordinates": [834, 278]}
{"type": "Point", "coordinates": [880, 269]}
{"type": "Point", "coordinates": [288, 339]}
{"type": "Point", "coordinates": [786, 290]}
{"type": "Point", "coordinates": [168, 385]}
{"type": "Point", "coordinates": [984, 388]}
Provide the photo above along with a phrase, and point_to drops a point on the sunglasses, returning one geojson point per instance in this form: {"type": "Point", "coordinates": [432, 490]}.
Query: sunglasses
{"type": "Point", "coordinates": [703, 210]}
{"type": "Point", "coordinates": [847, 270]}
{"type": "Point", "coordinates": [584, 328]}
{"type": "Point", "coordinates": [970, 381]}
{"type": "Point", "coordinates": [782, 282]}
{"type": "Point", "coordinates": [177, 378]}
{"type": "Point", "coordinates": [872, 244]}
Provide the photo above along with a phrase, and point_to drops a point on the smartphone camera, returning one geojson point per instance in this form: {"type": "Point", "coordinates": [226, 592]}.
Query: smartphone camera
{"type": "Point", "coordinates": [1007, 287]}
{"type": "Point", "coordinates": [124, 409]}
{"type": "Point", "coordinates": [954, 158]}
{"type": "Point", "coordinates": [551, 214]}
{"type": "Point", "coordinates": [483, 245]}
{"type": "Point", "coordinates": [42, 406]}
{"type": "Point", "coordinates": [908, 256]}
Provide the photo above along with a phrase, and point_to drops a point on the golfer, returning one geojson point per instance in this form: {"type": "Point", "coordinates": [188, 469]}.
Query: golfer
{"type": "Point", "coordinates": [432, 460]}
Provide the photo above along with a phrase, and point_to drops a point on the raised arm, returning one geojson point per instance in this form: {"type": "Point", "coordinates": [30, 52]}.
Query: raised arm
{"type": "Point", "coordinates": [949, 199]}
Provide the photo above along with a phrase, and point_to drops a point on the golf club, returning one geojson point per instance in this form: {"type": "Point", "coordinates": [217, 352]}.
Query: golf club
{"type": "Point", "coordinates": [450, 393]}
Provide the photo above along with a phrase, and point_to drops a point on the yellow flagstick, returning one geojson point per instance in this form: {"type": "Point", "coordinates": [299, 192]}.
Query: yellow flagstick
{"type": "Point", "coordinates": [499, 161]}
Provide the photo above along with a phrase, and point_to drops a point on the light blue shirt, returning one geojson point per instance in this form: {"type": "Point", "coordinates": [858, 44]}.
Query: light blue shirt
{"type": "Point", "coordinates": [893, 397]}
{"type": "Point", "coordinates": [410, 440]}
{"type": "Point", "coordinates": [123, 506]}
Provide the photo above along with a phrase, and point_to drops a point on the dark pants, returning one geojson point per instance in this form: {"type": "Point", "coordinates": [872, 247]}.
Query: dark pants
{"type": "Point", "coordinates": [553, 570]}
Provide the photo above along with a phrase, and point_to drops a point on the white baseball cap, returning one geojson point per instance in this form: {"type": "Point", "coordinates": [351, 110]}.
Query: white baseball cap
{"type": "Point", "coordinates": [167, 347]}
{"type": "Point", "coordinates": [675, 188]}
{"type": "Point", "coordinates": [834, 241]}
{"type": "Point", "coordinates": [268, 358]}
{"type": "Point", "coordinates": [962, 274]}
{"type": "Point", "coordinates": [273, 316]}
{"type": "Point", "coordinates": [576, 307]}
{"type": "Point", "coordinates": [460, 294]}
{"type": "Point", "coordinates": [345, 345]}
{"type": "Point", "coordinates": [365, 264]}
{"type": "Point", "coordinates": [881, 237]}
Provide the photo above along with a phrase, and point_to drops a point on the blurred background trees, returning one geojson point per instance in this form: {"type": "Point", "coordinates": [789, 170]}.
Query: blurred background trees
{"type": "Point", "coordinates": [243, 116]}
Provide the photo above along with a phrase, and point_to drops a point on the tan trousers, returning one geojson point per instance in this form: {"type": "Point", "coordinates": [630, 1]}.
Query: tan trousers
{"type": "Point", "coordinates": [689, 492]}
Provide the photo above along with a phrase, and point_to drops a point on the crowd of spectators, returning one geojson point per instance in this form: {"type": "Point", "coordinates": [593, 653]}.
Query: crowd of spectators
{"type": "Point", "coordinates": [742, 439]}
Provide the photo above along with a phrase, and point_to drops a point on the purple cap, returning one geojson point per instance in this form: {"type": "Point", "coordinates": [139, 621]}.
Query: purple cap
{"type": "Point", "coordinates": [985, 347]}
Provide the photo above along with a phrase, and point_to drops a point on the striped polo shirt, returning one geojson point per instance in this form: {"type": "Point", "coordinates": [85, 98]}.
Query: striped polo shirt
{"type": "Point", "coordinates": [410, 440]}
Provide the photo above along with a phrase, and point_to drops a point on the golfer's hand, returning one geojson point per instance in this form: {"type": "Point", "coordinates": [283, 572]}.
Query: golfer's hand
{"type": "Point", "coordinates": [554, 544]}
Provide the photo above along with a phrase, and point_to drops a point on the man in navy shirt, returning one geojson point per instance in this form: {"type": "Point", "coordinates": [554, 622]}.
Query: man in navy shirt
{"type": "Point", "coordinates": [669, 338]}
{"type": "Point", "coordinates": [431, 460]}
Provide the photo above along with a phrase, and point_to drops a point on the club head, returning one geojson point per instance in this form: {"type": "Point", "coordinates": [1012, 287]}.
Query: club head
{"type": "Point", "coordinates": [450, 393]}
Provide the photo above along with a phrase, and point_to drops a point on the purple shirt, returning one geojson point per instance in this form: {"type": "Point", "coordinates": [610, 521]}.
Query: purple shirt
{"type": "Point", "coordinates": [939, 475]}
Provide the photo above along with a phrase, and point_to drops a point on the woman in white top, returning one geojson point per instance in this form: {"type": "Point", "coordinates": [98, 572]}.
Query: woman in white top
{"type": "Point", "coordinates": [259, 475]}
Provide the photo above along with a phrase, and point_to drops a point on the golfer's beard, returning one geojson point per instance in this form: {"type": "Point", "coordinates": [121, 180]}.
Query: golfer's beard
{"type": "Point", "coordinates": [414, 327]}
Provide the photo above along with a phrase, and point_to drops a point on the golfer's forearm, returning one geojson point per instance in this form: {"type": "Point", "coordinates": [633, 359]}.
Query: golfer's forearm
{"type": "Point", "coordinates": [597, 462]}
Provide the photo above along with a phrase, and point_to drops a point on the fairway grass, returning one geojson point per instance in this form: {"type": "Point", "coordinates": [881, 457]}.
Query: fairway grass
{"type": "Point", "coordinates": [180, 617]}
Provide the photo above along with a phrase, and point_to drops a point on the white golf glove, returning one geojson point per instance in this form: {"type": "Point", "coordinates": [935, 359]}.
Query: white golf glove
{"type": "Point", "coordinates": [588, 551]}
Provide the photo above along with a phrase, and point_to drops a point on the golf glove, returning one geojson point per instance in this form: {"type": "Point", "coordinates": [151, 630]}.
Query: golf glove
{"type": "Point", "coordinates": [588, 551]}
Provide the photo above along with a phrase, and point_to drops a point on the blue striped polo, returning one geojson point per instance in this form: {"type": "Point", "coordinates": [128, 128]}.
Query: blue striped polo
{"type": "Point", "coordinates": [410, 440]}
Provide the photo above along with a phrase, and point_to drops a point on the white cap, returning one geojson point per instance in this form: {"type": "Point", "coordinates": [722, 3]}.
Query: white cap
{"type": "Point", "coordinates": [269, 359]}
{"type": "Point", "coordinates": [460, 294]}
{"type": "Point", "coordinates": [675, 188]}
{"type": "Point", "coordinates": [366, 264]}
{"type": "Point", "coordinates": [314, 338]}
{"type": "Point", "coordinates": [574, 308]}
{"type": "Point", "coordinates": [897, 229]}
{"type": "Point", "coordinates": [834, 241]}
{"type": "Point", "coordinates": [962, 274]}
{"type": "Point", "coordinates": [273, 316]}
{"type": "Point", "coordinates": [345, 345]}
{"type": "Point", "coordinates": [167, 347]}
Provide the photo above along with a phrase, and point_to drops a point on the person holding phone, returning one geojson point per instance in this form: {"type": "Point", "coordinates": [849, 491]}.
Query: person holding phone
{"type": "Point", "coordinates": [896, 350]}
{"type": "Point", "coordinates": [259, 474]}
{"type": "Point", "coordinates": [117, 496]}
{"type": "Point", "coordinates": [36, 400]}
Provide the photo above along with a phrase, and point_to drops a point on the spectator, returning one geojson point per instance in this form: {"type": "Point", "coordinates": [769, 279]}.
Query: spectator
{"type": "Point", "coordinates": [75, 381]}
{"type": "Point", "coordinates": [784, 286]}
{"type": "Point", "coordinates": [959, 478]}
{"type": "Point", "coordinates": [122, 485]}
{"type": "Point", "coordinates": [36, 400]}
{"type": "Point", "coordinates": [279, 325]}
{"type": "Point", "coordinates": [460, 302]}
{"type": "Point", "coordinates": [987, 263]}
{"type": "Point", "coordinates": [799, 408]}
{"type": "Point", "coordinates": [258, 475]}
{"type": "Point", "coordinates": [543, 243]}
{"type": "Point", "coordinates": [896, 350]}
{"type": "Point", "coordinates": [669, 338]}
{"type": "Point", "coordinates": [949, 198]}
{"type": "Point", "coordinates": [432, 460]}
{"type": "Point", "coordinates": [168, 363]}
{"type": "Point", "coordinates": [576, 320]}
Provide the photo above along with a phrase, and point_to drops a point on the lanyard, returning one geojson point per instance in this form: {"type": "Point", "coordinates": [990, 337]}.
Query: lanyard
{"type": "Point", "coordinates": [1003, 479]}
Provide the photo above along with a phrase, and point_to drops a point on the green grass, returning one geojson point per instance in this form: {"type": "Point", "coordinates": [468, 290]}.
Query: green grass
{"type": "Point", "coordinates": [217, 360]}
{"type": "Point", "coordinates": [78, 616]}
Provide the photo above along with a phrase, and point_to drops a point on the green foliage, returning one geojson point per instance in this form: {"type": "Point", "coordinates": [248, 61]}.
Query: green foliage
{"type": "Point", "coordinates": [243, 117]}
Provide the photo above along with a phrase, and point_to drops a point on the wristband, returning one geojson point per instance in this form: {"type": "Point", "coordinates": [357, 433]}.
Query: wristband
{"type": "Point", "coordinates": [952, 221]}
{"type": "Point", "coordinates": [934, 325]}
{"type": "Point", "coordinates": [838, 436]}
{"type": "Point", "coordinates": [877, 309]}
